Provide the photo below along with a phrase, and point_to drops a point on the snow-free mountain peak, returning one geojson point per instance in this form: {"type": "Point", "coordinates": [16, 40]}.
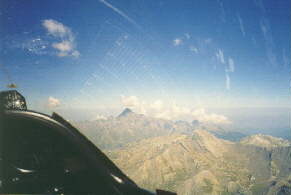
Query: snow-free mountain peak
{"type": "Point", "coordinates": [126, 112]}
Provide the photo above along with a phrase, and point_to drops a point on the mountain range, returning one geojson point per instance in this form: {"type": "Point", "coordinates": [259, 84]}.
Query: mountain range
{"type": "Point", "coordinates": [115, 132]}
{"type": "Point", "coordinates": [128, 127]}
{"type": "Point", "coordinates": [192, 158]}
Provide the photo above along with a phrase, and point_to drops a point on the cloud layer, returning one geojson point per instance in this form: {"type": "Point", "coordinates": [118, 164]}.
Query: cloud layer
{"type": "Point", "coordinates": [172, 111]}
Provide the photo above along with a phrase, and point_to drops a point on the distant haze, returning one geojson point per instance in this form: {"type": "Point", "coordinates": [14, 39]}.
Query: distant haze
{"type": "Point", "coordinates": [273, 121]}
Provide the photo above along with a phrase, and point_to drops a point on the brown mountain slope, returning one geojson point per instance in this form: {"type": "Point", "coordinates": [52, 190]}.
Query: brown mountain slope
{"type": "Point", "coordinates": [204, 164]}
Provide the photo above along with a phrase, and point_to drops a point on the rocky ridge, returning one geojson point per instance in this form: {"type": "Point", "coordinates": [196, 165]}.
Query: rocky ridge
{"type": "Point", "coordinates": [204, 164]}
{"type": "Point", "coordinates": [191, 158]}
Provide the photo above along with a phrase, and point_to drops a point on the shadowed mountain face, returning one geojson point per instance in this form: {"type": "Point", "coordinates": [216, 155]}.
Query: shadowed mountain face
{"type": "Point", "coordinates": [181, 157]}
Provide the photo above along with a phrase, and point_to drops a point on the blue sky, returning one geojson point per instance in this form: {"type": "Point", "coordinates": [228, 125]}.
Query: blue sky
{"type": "Point", "coordinates": [162, 58]}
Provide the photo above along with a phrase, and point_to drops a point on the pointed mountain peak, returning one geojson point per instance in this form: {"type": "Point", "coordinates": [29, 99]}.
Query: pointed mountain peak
{"type": "Point", "coordinates": [126, 112]}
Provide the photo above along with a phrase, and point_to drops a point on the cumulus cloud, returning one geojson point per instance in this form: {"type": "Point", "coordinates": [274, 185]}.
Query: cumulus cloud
{"type": "Point", "coordinates": [172, 111]}
{"type": "Point", "coordinates": [134, 103]}
{"type": "Point", "coordinates": [177, 42]}
{"type": "Point", "coordinates": [175, 112]}
{"type": "Point", "coordinates": [56, 28]}
{"type": "Point", "coordinates": [53, 102]}
{"type": "Point", "coordinates": [220, 56]}
{"type": "Point", "coordinates": [130, 101]}
{"type": "Point", "coordinates": [63, 46]}
{"type": "Point", "coordinates": [202, 116]}
{"type": "Point", "coordinates": [66, 45]}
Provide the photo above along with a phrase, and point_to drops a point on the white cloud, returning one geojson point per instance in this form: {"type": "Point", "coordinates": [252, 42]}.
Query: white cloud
{"type": "Point", "coordinates": [76, 53]}
{"type": "Point", "coordinates": [172, 111]}
{"type": "Point", "coordinates": [193, 49]}
{"type": "Point", "coordinates": [157, 105]}
{"type": "Point", "coordinates": [220, 56]}
{"type": "Point", "coordinates": [227, 81]}
{"type": "Point", "coordinates": [230, 65]}
{"type": "Point", "coordinates": [187, 35]}
{"type": "Point", "coordinates": [229, 69]}
{"type": "Point", "coordinates": [202, 116]}
{"type": "Point", "coordinates": [56, 28]}
{"type": "Point", "coordinates": [99, 117]}
{"type": "Point", "coordinates": [177, 42]}
{"type": "Point", "coordinates": [134, 103]}
{"type": "Point", "coordinates": [53, 102]}
{"type": "Point", "coordinates": [175, 112]}
{"type": "Point", "coordinates": [130, 101]}
{"type": "Point", "coordinates": [66, 44]}
{"type": "Point", "coordinates": [242, 29]}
